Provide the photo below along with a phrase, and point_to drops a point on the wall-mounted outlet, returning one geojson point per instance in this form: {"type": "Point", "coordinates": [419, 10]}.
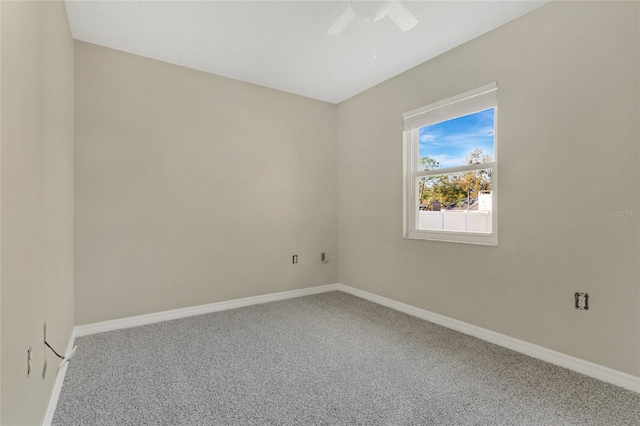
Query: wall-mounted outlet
{"type": "Point", "coordinates": [294, 259]}
{"type": "Point", "coordinates": [582, 301]}
{"type": "Point", "coordinates": [323, 257]}
{"type": "Point", "coordinates": [44, 330]}
{"type": "Point", "coordinates": [29, 361]}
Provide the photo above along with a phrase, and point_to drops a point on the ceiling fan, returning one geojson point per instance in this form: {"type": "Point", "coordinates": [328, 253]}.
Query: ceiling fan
{"type": "Point", "coordinates": [373, 11]}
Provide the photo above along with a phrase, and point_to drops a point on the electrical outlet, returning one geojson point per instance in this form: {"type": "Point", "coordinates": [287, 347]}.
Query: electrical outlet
{"type": "Point", "coordinates": [582, 301]}
{"type": "Point", "coordinates": [44, 329]}
{"type": "Point", "coordinates": [294, 259]}
{"type": "Point", "coordinates": [29, 361]}
{"type": "Point", "coordinates": [323, 257]}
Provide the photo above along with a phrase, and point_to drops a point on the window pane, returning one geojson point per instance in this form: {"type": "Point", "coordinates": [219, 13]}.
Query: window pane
{"type": "Point", "coordinates": [455, 202]}
{"type": "Point", "coordinates": [460, 141]}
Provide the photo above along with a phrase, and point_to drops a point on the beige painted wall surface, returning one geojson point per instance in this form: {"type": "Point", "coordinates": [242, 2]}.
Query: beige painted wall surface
{"type": "Point", "coordinates": [0, 212]}
{"type": "Point", "coordinates": [193, 188]}
{"type": "Point", "coordinates": [37, 201]}
{"type": "Point", "coordinates": [568, 150]}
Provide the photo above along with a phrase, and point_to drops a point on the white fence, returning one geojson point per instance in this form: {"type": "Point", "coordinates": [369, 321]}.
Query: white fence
{"type": "Point", "coordinates": [455, 220]}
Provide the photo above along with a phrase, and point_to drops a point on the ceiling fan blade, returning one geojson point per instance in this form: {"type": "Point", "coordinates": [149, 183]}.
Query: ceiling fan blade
{"type": "Point", "coordinates": [402, 17]}
{"type": "Point", "coordinates": [342, 22]}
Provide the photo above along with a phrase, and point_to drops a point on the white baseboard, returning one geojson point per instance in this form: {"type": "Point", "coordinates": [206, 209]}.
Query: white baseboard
{"type": "Point", "coordinates": [588, 368]}
{"type": "Point", "coordinates": [57, 386]}
{"type": "Point", "coordinates": [99, 327]}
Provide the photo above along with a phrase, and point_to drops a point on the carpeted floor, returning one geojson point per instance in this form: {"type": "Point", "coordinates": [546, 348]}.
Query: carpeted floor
{"type": "Point", "coordinates": [330, 359]}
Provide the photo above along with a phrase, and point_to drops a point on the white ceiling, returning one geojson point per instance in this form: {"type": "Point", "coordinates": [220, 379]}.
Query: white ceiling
{"type": "Point", "coordinates": [283, 44]}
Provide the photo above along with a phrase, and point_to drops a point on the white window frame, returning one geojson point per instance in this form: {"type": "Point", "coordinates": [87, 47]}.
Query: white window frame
{"type": "Point", "coordinates": [476, 100]}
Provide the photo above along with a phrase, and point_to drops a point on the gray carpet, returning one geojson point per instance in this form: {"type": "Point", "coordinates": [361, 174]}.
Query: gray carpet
{"type": "Point", "coordinates": [330, 359]}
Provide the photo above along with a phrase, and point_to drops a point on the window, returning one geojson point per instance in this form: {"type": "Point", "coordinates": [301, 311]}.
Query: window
{"type": "Point", "coordinates": [451, 177]}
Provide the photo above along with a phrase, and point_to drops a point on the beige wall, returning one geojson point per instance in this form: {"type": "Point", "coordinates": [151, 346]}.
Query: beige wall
{"type": "Point", "coordinates": [568, 136]}
{"type": "Point", "coordinates": [193, 188]}
{"type": "Point", "coordinates": [37, 201]}
{"type": "Point", "coordinates": [0, 212]}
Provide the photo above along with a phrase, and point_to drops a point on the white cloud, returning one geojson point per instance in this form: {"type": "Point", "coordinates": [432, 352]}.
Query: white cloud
{"type": "Point", "coordinates": [447, 160]}
{"type": "Point", "coordinates": [427, 137]}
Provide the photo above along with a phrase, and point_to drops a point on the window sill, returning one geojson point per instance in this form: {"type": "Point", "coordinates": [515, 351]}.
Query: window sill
{"type": "Point", "coordinates": [456, 237]}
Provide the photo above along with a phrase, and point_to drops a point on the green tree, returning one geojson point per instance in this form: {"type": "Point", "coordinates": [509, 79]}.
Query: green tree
{"type": "Point", "coordinates": [452, 189]}
{"type": "Point", "coordinates": [428, 163]}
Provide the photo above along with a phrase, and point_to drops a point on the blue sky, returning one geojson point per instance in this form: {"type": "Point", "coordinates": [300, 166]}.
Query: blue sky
{"type": "Point", "coordinates": [451, 142]}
